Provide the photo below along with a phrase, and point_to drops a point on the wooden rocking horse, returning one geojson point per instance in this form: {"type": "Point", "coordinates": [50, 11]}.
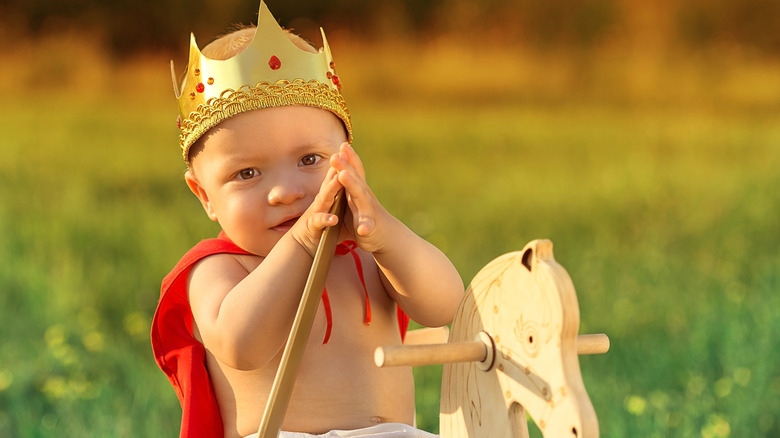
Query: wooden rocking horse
{"type": "Point", "coordinates": [513, 348]}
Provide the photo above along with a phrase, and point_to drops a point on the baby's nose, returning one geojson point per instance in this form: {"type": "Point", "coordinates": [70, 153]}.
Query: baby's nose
{"type": "Point", "coordinates": [285, 192]}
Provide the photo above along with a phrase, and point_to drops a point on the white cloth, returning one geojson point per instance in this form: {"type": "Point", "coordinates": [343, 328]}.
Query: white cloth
{"type": "Point", "coordinates": [384, 430]}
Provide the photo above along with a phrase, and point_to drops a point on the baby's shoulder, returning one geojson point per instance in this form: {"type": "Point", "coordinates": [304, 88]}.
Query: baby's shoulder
{"type": "Point", "coordinates": [222, 268]}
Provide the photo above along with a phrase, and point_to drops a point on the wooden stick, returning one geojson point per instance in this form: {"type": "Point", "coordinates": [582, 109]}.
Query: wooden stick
{"type": "Point", "coordinates": [476, 351]}
{"type": "Point", "coordinates": [279, 397]}
{"type": "Point", "coordinates": [431, 354]}
{"type": "Point", "coordinates": [592, 344]}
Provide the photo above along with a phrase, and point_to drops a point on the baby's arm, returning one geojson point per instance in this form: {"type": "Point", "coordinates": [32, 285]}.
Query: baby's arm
{"type": "Point", "coordinates": [416, 274]}
{"type": "Point", "coordinates": [243, 309]}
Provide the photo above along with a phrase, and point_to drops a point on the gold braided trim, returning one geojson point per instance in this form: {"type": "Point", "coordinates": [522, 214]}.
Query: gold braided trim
{"type": "Point", "coordinates": [263, 95]}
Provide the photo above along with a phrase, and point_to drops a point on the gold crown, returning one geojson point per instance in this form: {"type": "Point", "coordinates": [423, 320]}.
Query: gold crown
{"type": "Point", "coordinates": [271, 72]}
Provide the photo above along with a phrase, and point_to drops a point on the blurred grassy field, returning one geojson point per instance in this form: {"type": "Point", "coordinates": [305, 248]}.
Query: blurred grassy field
{"type": "Point", "coordinates": [657, 181]}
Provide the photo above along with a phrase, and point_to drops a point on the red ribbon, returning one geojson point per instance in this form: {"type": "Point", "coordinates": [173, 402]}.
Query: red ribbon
{"type": "Point", "coordinates": [346, 247]}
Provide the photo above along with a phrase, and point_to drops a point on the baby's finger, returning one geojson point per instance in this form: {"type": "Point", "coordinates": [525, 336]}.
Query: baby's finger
{"type": "Point", "coordinates": [351, 157]}
{"type": "Point", "coordinates": [330, 186]}
{"type": "Point", "coordinates": [362, 223]}
{"type": "Point", "coordinates": [365, 226]}
{"type": "Point", "coordinates": [346, 173]}
{"type": "Point", "coordinates": [319, 221]}
{"type": "Point", "coordinates": [363, 206]}
{"type": "Point", "coordinates": [360, 195]}
{"type": "Point", "coordinates": [309, 229]}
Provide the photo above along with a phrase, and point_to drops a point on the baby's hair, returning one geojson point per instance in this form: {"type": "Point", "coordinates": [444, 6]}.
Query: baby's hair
{"type": "Point", "coordinates": [230, 45]}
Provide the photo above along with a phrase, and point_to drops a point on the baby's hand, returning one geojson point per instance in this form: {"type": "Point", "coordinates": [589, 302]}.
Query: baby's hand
{"type": "Point", "coordinates": [308, 229]}
{"type": "Point", "coordinates": [369, 220]}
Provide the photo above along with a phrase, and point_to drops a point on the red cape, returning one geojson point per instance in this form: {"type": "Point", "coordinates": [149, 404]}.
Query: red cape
{"type": "Point", "coordinates": [181, 357]}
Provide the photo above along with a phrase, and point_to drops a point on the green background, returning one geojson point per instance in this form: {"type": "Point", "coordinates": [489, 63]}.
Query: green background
{"type": "Point", "coordinates": [652, 166]}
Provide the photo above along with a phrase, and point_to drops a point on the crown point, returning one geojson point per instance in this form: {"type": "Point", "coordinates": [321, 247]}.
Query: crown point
{"type": "Point", "coordinates": [274, 63]}
{"type": "Point", "coordinates": [202, 106]}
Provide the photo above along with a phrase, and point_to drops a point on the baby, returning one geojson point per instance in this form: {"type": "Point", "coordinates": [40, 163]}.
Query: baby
{"type": "Point", "coordinates": [266, 137]}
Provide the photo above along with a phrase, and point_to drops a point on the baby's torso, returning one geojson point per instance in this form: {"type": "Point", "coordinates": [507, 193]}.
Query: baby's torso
{"type": "Point", "coordinates": [337, 386]}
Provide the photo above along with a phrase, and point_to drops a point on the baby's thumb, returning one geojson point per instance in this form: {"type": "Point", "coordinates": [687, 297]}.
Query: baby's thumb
{"type": "Point", "coordinates": [365, 226]}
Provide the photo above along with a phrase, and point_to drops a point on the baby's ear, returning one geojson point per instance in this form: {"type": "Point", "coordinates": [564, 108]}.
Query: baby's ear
{"type": "Point", "coordinates": [200, 192]}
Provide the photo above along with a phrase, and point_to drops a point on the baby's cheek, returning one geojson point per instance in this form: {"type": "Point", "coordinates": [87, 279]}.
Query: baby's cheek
{"type": "Point", "coordinates": [249, 210]}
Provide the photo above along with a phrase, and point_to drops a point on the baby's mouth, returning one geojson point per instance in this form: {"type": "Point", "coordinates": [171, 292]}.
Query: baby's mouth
{"type": "Point", "coordinates": [286, 225]}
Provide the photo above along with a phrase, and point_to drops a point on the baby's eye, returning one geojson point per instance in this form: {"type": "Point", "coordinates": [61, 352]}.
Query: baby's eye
{"type": "Point", "coordinates": [310, 159]}
{"type": "Point", "coordinates": [248, 174]}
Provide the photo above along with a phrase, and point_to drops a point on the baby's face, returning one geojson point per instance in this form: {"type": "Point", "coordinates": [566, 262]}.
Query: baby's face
{"type": "Point", "coordinates": [259, 171]}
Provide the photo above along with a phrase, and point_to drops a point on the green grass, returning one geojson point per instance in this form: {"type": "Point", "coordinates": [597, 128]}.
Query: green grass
{"type": "Point", "coordinates": [665, 216]}
{"type": "Point", "coordinates": [666, 221]}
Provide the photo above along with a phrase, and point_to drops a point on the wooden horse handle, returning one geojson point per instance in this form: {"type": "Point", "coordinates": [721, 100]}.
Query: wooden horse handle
{"type": "Point", "coordinates": [479, 351]}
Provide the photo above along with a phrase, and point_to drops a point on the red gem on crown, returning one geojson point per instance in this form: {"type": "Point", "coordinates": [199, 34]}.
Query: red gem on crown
{"type": "Point", "coordinates": [200, 87]}
{"type": "Point", "coordinates": [274, 63]}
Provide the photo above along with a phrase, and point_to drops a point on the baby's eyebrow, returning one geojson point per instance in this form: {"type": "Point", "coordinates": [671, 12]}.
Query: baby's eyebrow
{"type": "Point", "coordinates": [315, 145]}
{"type": "Point", "coordinates": [239, 161]}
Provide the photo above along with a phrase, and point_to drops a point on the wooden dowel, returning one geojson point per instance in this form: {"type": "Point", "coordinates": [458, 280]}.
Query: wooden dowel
{"type": "Point", "coordinates": [279, 397]}
{"type": "Point", "coordinates": [431, 354]}
{"type": "Point", "coordinates": [476, 351]}
{"type": "Point", "coordinates": [592, 344]}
